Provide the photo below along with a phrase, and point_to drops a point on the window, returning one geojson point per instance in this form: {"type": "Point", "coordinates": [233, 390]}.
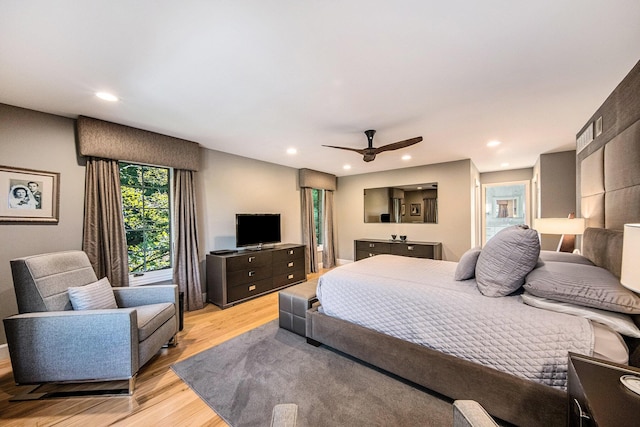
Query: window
{"type": "Point", "coordinates": [147, 216]}
{"type": "Point", "coordinates": [318, 207]}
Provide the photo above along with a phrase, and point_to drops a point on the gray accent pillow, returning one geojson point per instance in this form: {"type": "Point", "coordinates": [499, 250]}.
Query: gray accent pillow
{"type": "Point", "coordinates": [585, 285]}
{"type": "Point", "coordinates": [506, 259]}
{"type": "Point", "coordinates": [466, 268]}
{"type": "Point", "coordinates": [94, 296]}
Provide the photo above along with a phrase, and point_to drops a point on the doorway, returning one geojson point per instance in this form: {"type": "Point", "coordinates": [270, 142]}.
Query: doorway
{"type": "Point", "coordinates": [504, 204]}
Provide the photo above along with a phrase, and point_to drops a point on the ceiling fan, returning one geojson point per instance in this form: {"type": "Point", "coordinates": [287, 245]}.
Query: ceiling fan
{"type": "Point", "coordinates": [370, 152]}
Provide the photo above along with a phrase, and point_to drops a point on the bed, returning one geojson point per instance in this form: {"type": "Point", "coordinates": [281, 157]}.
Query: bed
{"type": "Point", "coordinates": [412, 318]}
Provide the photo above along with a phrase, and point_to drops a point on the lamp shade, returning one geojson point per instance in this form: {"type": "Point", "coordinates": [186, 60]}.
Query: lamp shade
{"type": "Point", "coordinates": [559, 225]}
{"type": "Point", "coordinates": [630, 275]}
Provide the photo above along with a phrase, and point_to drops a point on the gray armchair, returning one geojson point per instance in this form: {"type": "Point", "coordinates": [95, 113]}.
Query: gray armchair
{"type": "Point", "coordinates": [50, 342]}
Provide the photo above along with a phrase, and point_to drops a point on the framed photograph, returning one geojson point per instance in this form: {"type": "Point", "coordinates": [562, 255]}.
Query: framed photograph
{"type": "Point", "coordinates": [415, 209]}
{"type": "Point", "coordinates": [29, 195]}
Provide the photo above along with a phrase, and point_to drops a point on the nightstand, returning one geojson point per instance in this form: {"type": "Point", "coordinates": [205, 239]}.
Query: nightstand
{"type": "Point", "coordinates": [596, 395]}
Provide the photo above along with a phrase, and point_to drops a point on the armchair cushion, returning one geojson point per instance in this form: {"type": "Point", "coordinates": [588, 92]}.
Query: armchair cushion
{"type": "Point", "coordinates": [152, 316]}
{"type": "Point", "coordinates": [94, 296]}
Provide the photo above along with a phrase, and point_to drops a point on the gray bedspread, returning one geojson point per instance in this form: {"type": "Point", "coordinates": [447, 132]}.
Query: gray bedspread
{"type": "Point", "coordinates": [418, 300]}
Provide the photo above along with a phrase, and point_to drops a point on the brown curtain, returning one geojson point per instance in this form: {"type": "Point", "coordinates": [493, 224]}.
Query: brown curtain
{"type": "Point", "coordinates": [430, 210]}
{"type": "Point", "coordinates": [328, 245]}
{"type": "Point", "coordinates": [308, 231]}
{"type": "Point", "coordinates": [104, 239]}
{"type": "Point", "coordinates": [186, 267]}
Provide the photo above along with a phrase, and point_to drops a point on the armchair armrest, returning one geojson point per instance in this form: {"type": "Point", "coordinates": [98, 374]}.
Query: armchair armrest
{"type": "Point", "coordinates": [147, 294]}
{"type": "Point", "coordinates": [73, 345]}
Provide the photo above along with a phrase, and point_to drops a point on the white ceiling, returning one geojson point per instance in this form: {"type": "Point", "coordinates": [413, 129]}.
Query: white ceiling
{"type": "Point", "coordinates": [255, 77]}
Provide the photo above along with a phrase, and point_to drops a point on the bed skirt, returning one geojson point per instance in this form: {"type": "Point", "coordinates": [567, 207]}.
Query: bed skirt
{"type": "Point", "coordinates": [505, 396]}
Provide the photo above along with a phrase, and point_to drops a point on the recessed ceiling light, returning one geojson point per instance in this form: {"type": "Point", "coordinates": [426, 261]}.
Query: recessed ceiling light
{"type": "Point", "coordinates": [291, 151]}
{"type": "Point", "coordinates": [504, 165]}
{"type": "Point", "coordinates": [418, 188]}
{"type": "Point", "coordinates": [107, 96]}
{"type": "Point", "coordinates": [346, 167]}
{"type": "Point", "coordinates": [493, 143]}
{"type": "Point", "coordinates": [406, 157]}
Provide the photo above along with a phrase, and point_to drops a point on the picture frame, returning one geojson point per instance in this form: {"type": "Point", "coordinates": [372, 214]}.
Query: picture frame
{"type": "Point", "coordinates": [415, 209]}
{"type": "Point", "coordinates": [29, 195]}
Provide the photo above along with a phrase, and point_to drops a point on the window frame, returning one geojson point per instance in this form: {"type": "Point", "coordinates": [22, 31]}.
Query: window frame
{"type": "Point", "coordinates": [165, 274]}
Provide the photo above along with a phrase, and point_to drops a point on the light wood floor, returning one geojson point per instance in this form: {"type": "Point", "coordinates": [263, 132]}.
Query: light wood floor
{"type": "Point", "coordinates": [160, 397]}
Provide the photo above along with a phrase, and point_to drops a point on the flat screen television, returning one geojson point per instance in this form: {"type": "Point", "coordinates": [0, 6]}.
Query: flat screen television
{"type": "Point", "coordinates": [257, 229]}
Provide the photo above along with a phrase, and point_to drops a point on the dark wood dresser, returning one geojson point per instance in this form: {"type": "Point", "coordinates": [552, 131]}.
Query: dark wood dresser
{"type": "Point", "coordinates": [236, 277]}
{"type": "Point", "coordinates": [365, 248]}
{"type": "Point", "coordinates": [596, 395]}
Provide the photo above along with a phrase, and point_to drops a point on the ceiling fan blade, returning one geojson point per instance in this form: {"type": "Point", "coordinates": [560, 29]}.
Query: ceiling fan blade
{"type": "Point", "coordinates": [357, 150]}
{"type": "Point", "coordinates": [399, 144]}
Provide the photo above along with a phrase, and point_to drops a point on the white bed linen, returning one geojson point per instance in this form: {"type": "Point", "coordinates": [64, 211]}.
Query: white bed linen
{"type": "Point", "coordinates": [418, 300]}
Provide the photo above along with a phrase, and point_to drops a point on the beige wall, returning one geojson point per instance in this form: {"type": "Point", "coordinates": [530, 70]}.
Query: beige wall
{"type": "Point", "coordinates": [229, 184]}
{"type": "Point", "coordinates": [555, 175]}
{"type": "Point", "coordinates": [34, 140]}
{"type": "Point", "coordinates": [454, 208]}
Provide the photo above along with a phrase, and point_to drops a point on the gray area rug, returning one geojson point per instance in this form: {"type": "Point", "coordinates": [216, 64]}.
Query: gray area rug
{"type": "Point", "coordinates": [244, 378]}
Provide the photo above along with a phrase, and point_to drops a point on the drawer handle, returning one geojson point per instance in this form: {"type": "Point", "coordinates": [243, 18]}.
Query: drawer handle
{"type": "Point", "coordinates": [252, 273]}
{"type": "Point", "coordinates": [409, 248]}
{"type": "Point", "coordinates": [291, 252]}
{"type": "Point", "coordinates": [582, 414]}
{"type": "Point", "coordinates": [252, 287]}
{"type": "Point", "coordinates": [252, 258]}
{"type": "Point", "coordinates": [290, 264]}
{"type": "Point", "coordinates": [290, 276]}
{"type": "Point", "coordinates": [372, 245]}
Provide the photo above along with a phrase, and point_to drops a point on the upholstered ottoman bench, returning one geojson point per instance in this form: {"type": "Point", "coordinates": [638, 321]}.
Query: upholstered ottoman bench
{"type": "Point", "coordinates": [293, 303]}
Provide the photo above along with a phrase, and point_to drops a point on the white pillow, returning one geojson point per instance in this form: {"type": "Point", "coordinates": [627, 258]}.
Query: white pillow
{"type": "Point", "coordinates": [94, 296]}
{"type": "Point", "coordinates": [619, 322]}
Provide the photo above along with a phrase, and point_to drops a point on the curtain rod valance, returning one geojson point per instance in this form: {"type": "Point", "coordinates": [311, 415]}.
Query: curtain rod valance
{"type": "Point", "coordinates": [98, 138]}
{"type": "Point", "coordinates": [315, 179]}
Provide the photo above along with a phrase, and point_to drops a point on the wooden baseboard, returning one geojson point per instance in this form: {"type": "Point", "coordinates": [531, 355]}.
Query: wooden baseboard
{"type": "Point", "coordinates": [4, 351]}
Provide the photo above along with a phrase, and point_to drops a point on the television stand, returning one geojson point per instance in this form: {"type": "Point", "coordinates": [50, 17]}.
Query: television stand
{"type": "Point", "coordinates": [237, 277]}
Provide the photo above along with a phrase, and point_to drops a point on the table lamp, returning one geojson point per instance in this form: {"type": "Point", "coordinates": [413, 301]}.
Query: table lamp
{"type": "Point", "coordinates": [630, 274]}
{"type": "Point", "coordinates": [568, 226]}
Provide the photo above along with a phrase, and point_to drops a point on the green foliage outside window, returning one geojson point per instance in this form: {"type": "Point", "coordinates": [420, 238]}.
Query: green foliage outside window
{"type": "Point", "coordinates": [317, 213]}
{"type": "Point", "coordinates": [147, 218]}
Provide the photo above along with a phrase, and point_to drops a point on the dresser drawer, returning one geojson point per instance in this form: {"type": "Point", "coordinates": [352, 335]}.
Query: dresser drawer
{"type": "Point", "coordinates": [286, 266]}
{"type": "Point", "coordinates": [235, 278]}
{"type": "Point", "coordinates": [250, 260]}
{"type": "Point", "coordinates": [246, 290]}
{"type": "Point", "coordinates": [284, 255]}
{"type": "Point", "coordinates": [411, 250]}
{"type": "Point", "coordinates": [365, 254]}
{"type": "Point", "coordinates": [297, 275]}
{"type": "Point", "coordinates": [374, 247]}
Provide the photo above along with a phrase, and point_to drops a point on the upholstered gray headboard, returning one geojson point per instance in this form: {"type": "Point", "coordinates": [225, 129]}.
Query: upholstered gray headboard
{"type": "Point", "coordinates": [608, 169]}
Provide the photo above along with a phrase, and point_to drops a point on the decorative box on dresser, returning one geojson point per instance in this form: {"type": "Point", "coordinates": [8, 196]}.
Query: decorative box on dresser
{"type": "Point", "coordinates": [365, 248]}
{"type": "Point", "coordinates": [596, 395]}
{"type": "Point", "coordinates": [236, 277]}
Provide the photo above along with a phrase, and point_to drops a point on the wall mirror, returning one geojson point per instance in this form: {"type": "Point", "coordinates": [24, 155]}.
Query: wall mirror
{"type": "Point", "coordinates": [411, 204]}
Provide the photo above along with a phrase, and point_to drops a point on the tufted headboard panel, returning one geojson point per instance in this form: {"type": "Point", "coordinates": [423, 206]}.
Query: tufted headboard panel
{"type": "Point", "coordinates": [608, 169]}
